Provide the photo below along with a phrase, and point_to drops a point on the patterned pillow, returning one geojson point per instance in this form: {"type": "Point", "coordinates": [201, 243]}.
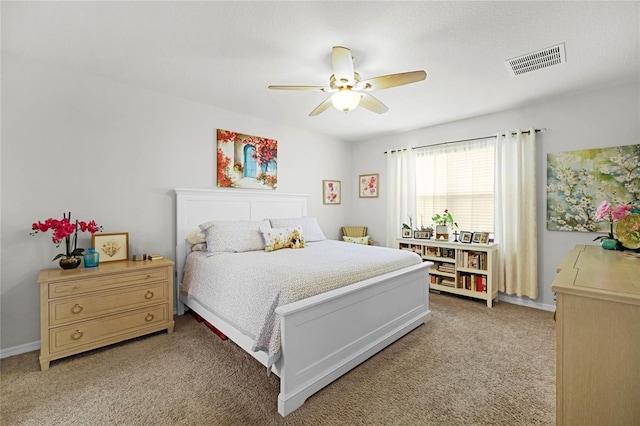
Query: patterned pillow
{"type": "Point", "coordinates": [309, 225]}
{"type": "Point", "coordinates": [279, 238]}
{"type": "Point", "coordinates": [234, 236]}
{"type": "Point", "coordinates": [357, 240]}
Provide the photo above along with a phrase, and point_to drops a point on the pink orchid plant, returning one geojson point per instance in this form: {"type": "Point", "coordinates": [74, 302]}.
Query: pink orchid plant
{"type": "Point", "coordinates": [606, 211]}
{"type": "Point", "coordinates": [66, 230]}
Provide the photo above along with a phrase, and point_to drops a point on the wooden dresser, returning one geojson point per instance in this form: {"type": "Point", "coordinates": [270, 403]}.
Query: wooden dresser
{"type": "Point", "coordinates": [598, 338]}
{"type": "Point", "coordinates": [86, 308]}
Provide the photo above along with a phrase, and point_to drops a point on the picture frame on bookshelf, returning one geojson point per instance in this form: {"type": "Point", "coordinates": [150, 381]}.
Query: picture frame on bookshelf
{"type": "Point", "coordinates": [484, 238]}
{"type": "Point", "coordinates": [421, 235]}
{"type": "Point", "coordinates": [465, 237]}
{"type": "Point", "coordinates": [475, 238]}
{"type": "Point", "coordinates": [406, 233]}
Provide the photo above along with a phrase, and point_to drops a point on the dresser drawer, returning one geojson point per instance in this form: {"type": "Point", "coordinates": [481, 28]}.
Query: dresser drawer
{"type": "Point", "coordinates": [105, 282]}
{"type": "Point", "coordinates": [90, 332]}
{"type": "Point", "coordinates": [63, 311]}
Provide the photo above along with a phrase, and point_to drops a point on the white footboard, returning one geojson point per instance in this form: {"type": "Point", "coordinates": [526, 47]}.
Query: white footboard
{"type": "Point", "coordinates": [327, 335]}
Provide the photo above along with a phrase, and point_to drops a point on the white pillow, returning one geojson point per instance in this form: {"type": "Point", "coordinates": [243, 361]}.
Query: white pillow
{"type": "Point", "coordinates": [280, 238]}
{"type": "Point", "coordinates": [196, 237]}
{"type": "Point", "coordinates": [309, 224]}
{"type": "Point", "coordinates": [357, 240]}
{"type": "Point", "coordinates": [234, 236]}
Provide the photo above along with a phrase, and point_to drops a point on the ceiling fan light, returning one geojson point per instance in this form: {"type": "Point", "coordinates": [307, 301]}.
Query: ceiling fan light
{"type": "Point", "coordinates": [345, 100]}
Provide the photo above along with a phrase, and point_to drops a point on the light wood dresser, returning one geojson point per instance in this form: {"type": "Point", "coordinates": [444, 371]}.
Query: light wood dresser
{"type": "Point", "coordinates": [86, 308]}
{"type": "Point", "coordinates": [598, 338]}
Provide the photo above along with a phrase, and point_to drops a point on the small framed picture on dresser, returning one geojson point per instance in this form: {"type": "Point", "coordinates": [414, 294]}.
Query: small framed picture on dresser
{"type": "Point", "coordinates": [111, 247]}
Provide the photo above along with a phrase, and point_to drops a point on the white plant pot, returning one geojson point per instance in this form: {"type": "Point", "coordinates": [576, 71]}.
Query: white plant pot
{"type": "Point", "coordinates": [442, 232]}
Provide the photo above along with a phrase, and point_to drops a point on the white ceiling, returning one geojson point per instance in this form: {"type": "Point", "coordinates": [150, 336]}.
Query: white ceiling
{"type": "Point", "coordinates": [226, 53]}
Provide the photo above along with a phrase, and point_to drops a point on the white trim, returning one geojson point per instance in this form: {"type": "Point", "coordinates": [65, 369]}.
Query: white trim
{"type": "Point", "coordinates": [522, 301]}
{"type": "Point", "coordinates": [20, 349]}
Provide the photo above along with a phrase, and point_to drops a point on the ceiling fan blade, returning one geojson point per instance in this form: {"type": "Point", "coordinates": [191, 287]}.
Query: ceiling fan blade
{"type": "Point", "coordinates": [321, 108]}
{"type": "Point", "coordinates": [297, 87]}
{"type": "Point", "coordinates": [342, 66]}
{"type": "Point", "coordinates": [393, 80]}
{"type": "Point", "coordinates": [372, 104]}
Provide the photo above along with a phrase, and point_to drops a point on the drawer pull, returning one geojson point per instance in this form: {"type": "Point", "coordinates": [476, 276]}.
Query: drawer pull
{"type": "Point", "coordinates": [149, 317]}
{"type": "Point", "coordinates": [77, 308]}
{"type": "Point", "coordinates": [148, 294]}
{"type": "Point", "coordinates": [77, 335]}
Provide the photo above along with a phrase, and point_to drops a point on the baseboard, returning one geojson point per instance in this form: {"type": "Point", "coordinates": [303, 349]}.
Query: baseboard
{"type": "Point", "coordinates": [526, 302]}
{"type": "Point", "coordinates": [20, 349]}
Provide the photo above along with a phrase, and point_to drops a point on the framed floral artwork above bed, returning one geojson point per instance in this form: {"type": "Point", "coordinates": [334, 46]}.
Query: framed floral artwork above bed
{"type": "Point", "coordinates": [331, 192]}
{"type": "Point", "coordinates": [368, 186]}
{"type": "Point", "coordinates": [245, 161]}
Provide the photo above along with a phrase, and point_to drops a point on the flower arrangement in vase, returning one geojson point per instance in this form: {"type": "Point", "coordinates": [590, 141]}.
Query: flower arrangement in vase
{"type": "Point", "coordinates": [606, 211]}
{"type": "Point", "coordinates": [66, 230]}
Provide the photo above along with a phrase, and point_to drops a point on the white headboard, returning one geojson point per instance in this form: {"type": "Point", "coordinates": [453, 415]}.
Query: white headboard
{"type": "Point", "coordinates": [196, 206]}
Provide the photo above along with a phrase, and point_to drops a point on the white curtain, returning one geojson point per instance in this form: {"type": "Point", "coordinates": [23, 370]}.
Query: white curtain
{"type": "Point", "coordinates": [401, 192]}
{"type": "Point", "coordinates": [515, 212]}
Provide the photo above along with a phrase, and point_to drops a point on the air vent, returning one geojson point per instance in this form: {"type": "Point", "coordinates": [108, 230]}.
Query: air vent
{"type": "Point", "coordinates": [536, 60]}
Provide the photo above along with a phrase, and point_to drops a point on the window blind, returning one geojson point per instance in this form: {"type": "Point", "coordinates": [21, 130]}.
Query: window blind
{"type": "Point", "coordinates": [457, 177]}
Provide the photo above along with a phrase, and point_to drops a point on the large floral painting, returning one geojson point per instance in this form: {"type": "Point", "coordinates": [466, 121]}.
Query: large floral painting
{"type": "Point", "coordinates": [246, 161]}
{"type": "Point", "coordinates": [578, 181]}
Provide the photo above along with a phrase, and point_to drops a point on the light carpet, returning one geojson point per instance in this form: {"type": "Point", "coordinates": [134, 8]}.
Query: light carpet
{"type": "Point", "coordinates": [470, 365]}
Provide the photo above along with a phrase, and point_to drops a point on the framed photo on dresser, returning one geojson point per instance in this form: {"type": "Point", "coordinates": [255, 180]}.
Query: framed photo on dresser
{"type": "Point", "coordinates": [112, 247]}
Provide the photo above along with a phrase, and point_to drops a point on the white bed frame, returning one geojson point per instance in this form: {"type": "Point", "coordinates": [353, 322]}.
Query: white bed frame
{"type": "Point", "coordinates": [323, 336]}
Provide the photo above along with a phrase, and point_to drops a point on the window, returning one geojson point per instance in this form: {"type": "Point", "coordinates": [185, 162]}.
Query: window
{"type": "Point", "coordinates": [457, 177]}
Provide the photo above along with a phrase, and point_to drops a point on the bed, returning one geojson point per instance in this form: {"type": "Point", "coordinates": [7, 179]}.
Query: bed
{"type": "Point", "coordinates": [354, 322]}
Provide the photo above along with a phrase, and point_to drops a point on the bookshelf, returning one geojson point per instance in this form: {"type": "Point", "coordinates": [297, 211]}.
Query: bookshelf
{"type": "Point", "coordinates": [459, 268]}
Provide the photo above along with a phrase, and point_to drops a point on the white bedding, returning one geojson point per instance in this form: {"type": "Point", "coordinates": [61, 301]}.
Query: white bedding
{"type": "Point", "coordinates": [246, 288]}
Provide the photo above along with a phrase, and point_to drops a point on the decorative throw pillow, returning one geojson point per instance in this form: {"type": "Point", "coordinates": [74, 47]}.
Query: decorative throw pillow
{"type": "Point", "coordinates": [280, 238]}
{"type": "Point", "coordinates": [233, 236]}
{"type": "Point", "coordinates": [196, 236]}
{"type": "Point", "coordinates": [309, 225]}
{"type": "Point", "coordinates": [357, 240]}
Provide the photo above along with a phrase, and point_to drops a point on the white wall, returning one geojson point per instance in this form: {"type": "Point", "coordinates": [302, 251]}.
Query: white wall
{"type": "Point", "coordinates": [597, 119]}
{"type": "Point", "coordinates": [114, 153]}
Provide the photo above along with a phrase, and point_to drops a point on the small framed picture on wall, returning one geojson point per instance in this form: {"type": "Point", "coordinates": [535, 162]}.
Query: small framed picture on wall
{"type": "Point", "coordinates": [331, 192]}
{"type": "Point", "coordinates": [368, 186]}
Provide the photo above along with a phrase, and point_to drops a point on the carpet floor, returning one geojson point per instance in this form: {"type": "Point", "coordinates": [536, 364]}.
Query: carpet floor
{"type": "Point", "coordinates": [470, 365]}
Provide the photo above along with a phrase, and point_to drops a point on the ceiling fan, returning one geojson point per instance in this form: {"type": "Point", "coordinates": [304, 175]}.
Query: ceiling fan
{"type": "Point", "coordinates": [348, 91]}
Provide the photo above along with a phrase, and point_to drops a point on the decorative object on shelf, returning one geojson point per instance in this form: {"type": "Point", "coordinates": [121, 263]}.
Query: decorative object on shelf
{"type": "Point", "coordinates": [245, 161]}
{"type": "Point", "coordinates": [455, 236]}
{"type": "Point", "coordinates": [406, 233]}
{"type": "Point", "coordinates": [628, 231]}
{"type": "Point", "coordinates": [66, 230]}
{"type": "Point", "coordinates": [606, 211]}
{"type": "Point", "coordinates": [484, 238]}
{"type": "Point", "coordinates": [443, 221]}
{"type": "Point", "coordinates": [368, 186]}
{"type": "Point", "coordinates": [91, 258]}
{"type": "Point", "coordinates": [112, 247]}
{"type": "Point", "coordinates": [465, 237]}
{"type": "Point", "coordinates": [421, 235]}
{"type": "Point", "coordinates": [331, 192]}
{"type": "Point", "coordinates": [475, 238]}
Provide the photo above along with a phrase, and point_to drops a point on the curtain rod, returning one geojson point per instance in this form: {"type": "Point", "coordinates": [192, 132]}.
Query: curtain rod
{"type": "Point", "coordinates": [465, 140]}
